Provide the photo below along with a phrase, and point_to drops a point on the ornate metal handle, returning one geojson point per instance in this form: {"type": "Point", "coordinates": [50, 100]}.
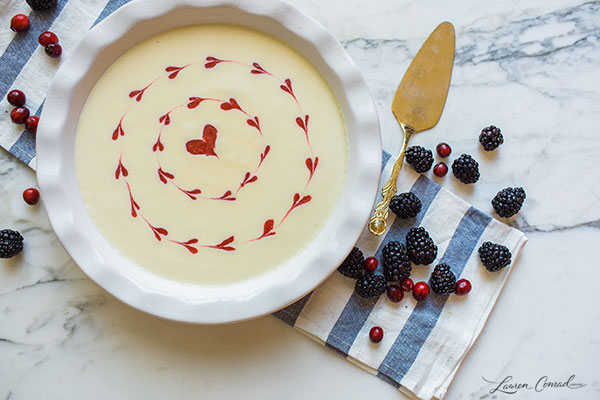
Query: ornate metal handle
{"type": "Point", "coordinates": [378, 223]}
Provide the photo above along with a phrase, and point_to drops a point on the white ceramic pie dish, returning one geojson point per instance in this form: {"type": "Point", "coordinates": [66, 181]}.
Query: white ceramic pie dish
{"type": "Point", "coordinates": [133, 284]}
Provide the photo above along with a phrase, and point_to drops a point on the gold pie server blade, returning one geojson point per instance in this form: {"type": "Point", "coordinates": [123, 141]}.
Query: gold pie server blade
{"type": "Point", "coordinates": [418, 104]}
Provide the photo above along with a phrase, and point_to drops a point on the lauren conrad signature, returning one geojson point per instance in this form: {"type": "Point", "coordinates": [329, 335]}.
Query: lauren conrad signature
{"type": "Point", "coordinates": [508, 386]}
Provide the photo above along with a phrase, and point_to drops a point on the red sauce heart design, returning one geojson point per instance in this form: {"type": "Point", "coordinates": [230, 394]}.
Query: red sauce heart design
{"type": "Point", "coordinates": [206, 145]}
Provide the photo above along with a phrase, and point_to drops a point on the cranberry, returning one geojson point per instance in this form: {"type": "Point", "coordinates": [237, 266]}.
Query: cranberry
{"type": "Point", "coordinates": [395, 293]}
{"type": "Point", "coordinates": [376, 334]}
{"type": "Point", "coordinates": [19, 115]}
{"type": "Point", "coordinates": [463, 286]}
{"type": "Point", "coordinates": [19, 23]}
{"type": "Point", "coordinates": [371, 264]}
{"type": "Point", "coordinates": [47, 38]}
{"type": "Point", "coordinates": [53, 50]}
{"type": "Point", "coordinates": [420, 291]}
{"type": "Point", "coordinates": [31, 124]}
{"type": "Point", "coordinates": [16, 97]}
{"type": "Point", "coordinates": [31, 196]}
{"type": "Point", "coordinates": [440, 169]}
{"type": "Point", "coordinates": [406, 284]}
{"type": "Point", "coordinates": [443, 149]}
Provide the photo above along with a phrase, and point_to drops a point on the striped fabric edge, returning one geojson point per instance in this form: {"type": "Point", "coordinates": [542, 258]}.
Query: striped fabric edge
{"type": "Point", "coordinates": [17, 54]}
{"type": "Point", "coordinates": [358, 309]}
{"type": "Point", "coordinates": [14, 58]}
{"type": "Point", "coordinates": [19, 51]}
{"type": "Point", "coordinates": [398, 361]}
{"type": "Point", "coordinates": [392, 317]}
{"type": "Point", "coordinates": [423, 319]}
{"type": "Point", "coordinates": [520, 240]}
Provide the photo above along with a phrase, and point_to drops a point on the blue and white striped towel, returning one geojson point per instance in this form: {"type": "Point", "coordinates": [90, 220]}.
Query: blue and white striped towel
{"type": "Point", "coordinates": [424, 343]}
{"type": "Point", "coordinates": [25, 66]}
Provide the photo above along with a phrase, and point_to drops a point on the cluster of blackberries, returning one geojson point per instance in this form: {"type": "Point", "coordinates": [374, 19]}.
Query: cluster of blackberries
{"type": "Point", "coordinates": [397, 260]}
{"type": "Point", "coordinates": [397, 268]}
{"type": "Point", "coordinates": [465, 168]}
{"type": "Point", "coordinates": [419, 249]}
{"type": "Point", "coordinates": [397, 257]}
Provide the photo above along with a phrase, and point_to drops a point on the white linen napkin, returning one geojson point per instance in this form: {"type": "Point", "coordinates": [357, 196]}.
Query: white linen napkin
{"type": "Point", "coordinates": [424, 343]}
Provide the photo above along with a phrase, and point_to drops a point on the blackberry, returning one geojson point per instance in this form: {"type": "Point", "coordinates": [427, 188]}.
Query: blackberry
{"type": "Point", "coordinates": [442, 280]}
{"type": "Point", "coordinates": [508, 201]}
{"type": "Point", "coordinates": [370, 285]}
{"type": "Point", "coordinates": [11, 243]}
{"type": "Point", "coordinates": [420, 158]}
{"type": "Point", "coordinates": [491, 138]}
{"type": "Point", "coordinates": [352, 265]}
{"type": "Point", "coordinates": [494, 256]}
{"type": "Point", "coordinates": [405, 205]}
{"type": "Point", "coordinates": [466, 169]}
{"type": "Point", "coordinates": [420, 247]}
{"type": "Point", "coordinates": [396, 264]}
{"type": "Point", "coordinates": [41, 4]}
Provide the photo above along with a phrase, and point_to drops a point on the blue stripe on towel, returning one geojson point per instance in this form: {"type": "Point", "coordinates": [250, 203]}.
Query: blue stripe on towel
{"type": "Point", "coordinates": [111, 6]}
{"type": "Point", "coordinates": [290, 313]}
{"type": "Point", "coordinates": [24, 147]}
{"type": "Point", "coordinates": [357, 309]}
{"type": "Point", "coordinates": [22, 46]}
{"type": "Point", "coordinates": [424, 317]}
{"type": "Point", "coordinates": [385, 156]}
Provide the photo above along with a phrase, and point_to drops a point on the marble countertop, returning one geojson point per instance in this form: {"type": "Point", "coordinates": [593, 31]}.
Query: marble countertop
{"type": "Point", "coordinates": [531, 68]}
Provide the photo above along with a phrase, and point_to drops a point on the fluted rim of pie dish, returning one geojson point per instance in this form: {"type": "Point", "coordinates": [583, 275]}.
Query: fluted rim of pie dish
{"type": "Point", "coordinates": [186, 302]}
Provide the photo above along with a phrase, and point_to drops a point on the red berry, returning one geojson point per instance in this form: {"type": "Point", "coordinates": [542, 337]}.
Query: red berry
{"type": "Point", "coordinates": [376, 334]}
{"type": "Point", "coordinates": [53, 50]}
{"type": "Point", "coordinates": [371, 264]}
{"type": "Point", "coordinates": [47, 38]}
{"type": "Point", "coordinates": [31, 124]}
{"type": "Point", "coordinates": [420, 291]}
{"type": "Point", "coordinates": [440, 169]}
{"type": "Point", "coordinates": [16, 98]}
{"type": "Point", "coordinates": [406, 284]}
{"type": "Point", "coordinates": [462, 287]}
{"type": "Point", "coordinates": [395, 293]}
{"type": "Point", "coordinates": [19, 115]}
{"type": "Point", "coordinates": [19, 23]}
{"type": "Point", "coordinates": [31, 196]}
{"type": "Point", "coordinates": [443, 149]}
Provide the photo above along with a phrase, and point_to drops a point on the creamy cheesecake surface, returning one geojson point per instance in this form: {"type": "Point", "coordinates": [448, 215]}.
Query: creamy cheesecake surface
{"type": "Point", "coordinates": [211, 154]}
